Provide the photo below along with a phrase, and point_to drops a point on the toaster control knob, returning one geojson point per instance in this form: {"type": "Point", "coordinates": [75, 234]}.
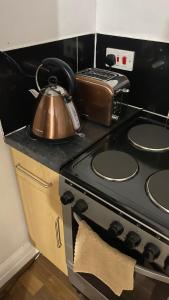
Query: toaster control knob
{"type": "Point", "coordinates": [80, 206]}
{"type": "Point", "coordinates": [166, 266]}
{"type": "Point", "coordinates": [115, 228]}
{"type": "Point", "coordinates": [132, 240]}
{"type": "Point", "coordinates": [151, 252]}
{"type": "Point", "coordinates": [67, 198]}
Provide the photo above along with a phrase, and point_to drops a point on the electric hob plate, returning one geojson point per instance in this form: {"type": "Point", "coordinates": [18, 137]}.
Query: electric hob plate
{"type": "Point", "coordinates": [157, 187]}
{"type": "Point", "coordinates": [114, 165]}
{"type": "Point", "coordinates": [149, 137]}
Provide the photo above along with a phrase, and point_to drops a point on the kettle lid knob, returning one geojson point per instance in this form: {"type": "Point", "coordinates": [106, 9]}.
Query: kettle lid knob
{"type": "Point", "coordinates": [54, 91]}
{"type": "Point", "coordinates": [52, 80]}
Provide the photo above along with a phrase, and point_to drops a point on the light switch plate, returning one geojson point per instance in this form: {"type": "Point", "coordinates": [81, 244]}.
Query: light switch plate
{"type": "Point", "coordinates": [124, 58]}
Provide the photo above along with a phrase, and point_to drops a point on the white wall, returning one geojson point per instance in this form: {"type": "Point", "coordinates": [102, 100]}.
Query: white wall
{"type": "Point", "coordinates": [15, 248]}
{"type": "Point", "coordinates": [24, 23]}
{"type": "Point", "coordinates": [138, 19]}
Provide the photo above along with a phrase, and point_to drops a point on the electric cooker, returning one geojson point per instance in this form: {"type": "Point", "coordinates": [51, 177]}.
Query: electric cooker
{"type": "Point", "coordinates": [120, 186]}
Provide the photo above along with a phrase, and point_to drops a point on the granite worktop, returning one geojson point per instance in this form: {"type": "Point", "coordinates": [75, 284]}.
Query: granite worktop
{"type": "Point", "coordinates": [55, 156]}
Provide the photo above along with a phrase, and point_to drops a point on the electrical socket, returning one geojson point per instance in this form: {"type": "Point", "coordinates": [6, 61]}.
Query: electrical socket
{"type": "Point", "coordinates": [124, 58]}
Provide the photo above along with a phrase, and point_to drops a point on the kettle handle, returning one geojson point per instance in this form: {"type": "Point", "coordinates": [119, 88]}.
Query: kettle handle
{"type": "Point", "coordinates": [64, 67]}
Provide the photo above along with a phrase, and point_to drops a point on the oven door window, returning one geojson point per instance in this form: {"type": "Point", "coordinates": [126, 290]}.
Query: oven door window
{"type": "Point", "coordinates": [148, 289]}
{"type": "Point", "coordinates": [144, 289]}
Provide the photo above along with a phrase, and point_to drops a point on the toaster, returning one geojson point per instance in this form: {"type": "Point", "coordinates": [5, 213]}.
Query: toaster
{"type": "Point", "coordinates": [99, 94]}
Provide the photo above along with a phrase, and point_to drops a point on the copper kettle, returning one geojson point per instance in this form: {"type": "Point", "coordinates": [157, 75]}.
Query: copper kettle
{"type": "Point", "coordinates": [55, 117]}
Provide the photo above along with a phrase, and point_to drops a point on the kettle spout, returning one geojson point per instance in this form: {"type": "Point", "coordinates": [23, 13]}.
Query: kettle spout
{"type": "Point", "coordinates": [34, 93]}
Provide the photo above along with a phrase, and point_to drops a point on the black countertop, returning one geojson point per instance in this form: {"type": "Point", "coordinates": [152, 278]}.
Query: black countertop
{"type": "Point", "coordinates": [55, 156]}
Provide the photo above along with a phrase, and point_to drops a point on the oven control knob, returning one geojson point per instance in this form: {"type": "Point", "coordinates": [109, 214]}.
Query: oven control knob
{"type": "Point", "coordinates": [67, 198]}
{"type": "Point", "coordinates": [166, 266]}
{"type": "Point", "coordinates": [80, 206]}
{"type": "Point", "coordinates": [151, 252]}
{"type": "Point", "coordinates": [132, 240]}
{"type": "Point", "coordinates": [115, 228]}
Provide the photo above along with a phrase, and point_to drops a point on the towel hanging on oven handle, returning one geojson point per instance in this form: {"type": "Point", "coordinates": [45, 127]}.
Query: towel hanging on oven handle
{"type": "Point", "coordinates": [138, 269]}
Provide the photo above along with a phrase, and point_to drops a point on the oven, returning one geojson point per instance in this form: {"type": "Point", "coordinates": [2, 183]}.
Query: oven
{"type": "Point", "coordinates": [115, 226]}
{"type": "Point", "coordinates": [120, 188]}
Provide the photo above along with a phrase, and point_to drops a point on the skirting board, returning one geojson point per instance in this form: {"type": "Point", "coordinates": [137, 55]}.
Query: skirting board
{"type": "Point", "coordinates": [15, 262]}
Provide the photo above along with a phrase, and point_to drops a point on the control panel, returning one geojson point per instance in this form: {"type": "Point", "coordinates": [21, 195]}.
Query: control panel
{"type": "Point", "coordinates": [119, 59]}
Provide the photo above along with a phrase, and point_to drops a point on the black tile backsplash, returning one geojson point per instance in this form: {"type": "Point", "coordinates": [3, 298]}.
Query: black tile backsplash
{"type": "Point", "coordinates": [86, 51]}
{"type": "Point", "coordinates": [150, 76]}
{"type": "Point", "coordinates": [16, 103]}
{"type": "Point", "coordinates": [149, 79]}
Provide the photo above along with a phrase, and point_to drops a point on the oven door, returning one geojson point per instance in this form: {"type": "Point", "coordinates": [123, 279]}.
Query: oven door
{"type": "Point", "coordinates": [145, 288]}
{"type": "Point", "coordinates": [149, 284]}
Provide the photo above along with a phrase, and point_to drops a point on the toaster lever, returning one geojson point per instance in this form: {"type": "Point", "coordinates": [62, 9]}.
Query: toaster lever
{"type": "Point", "coordinates": [115, 117]}
{"type": "Point", "coordinates": [124, 90]}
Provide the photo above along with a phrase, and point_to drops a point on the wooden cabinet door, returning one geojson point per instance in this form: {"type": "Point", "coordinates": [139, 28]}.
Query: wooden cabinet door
{"type": "Point", "coordinates": [40, 195]}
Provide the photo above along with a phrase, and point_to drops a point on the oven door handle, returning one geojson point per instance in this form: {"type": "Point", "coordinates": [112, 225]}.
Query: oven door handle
{"type": "Point", "coordinates": [77, 218]}
{"type": "Point", "coordinates": [151, 274]}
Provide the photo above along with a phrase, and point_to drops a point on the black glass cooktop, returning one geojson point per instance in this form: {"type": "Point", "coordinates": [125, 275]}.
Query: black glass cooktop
{"type": "Point", "coordinates": [134, 193]}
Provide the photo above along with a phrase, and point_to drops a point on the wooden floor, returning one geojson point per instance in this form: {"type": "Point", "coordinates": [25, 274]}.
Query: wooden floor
{"type": "Point", "coordinates": [42, 281]}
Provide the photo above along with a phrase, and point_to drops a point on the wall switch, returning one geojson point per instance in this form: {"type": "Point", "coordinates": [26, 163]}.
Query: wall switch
{"type": "Point", "coordinates": [124, 58]}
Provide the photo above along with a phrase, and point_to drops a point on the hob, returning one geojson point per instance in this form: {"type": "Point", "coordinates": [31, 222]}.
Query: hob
{"type": "Point", "coordinates": [114, 165]}
{"type": "Point", "coordinates": [158, 189]}
{"type": "Point", "coordinates": [117, 170]}
{"type": "Point", "coordinates": [149, 137]}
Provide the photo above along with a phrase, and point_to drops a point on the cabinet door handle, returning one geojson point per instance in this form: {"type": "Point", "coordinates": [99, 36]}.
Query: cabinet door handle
{"type": "Point", "coordinates": [57, 230]}
{"type": "Point", "coordinates": [35, 178]}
